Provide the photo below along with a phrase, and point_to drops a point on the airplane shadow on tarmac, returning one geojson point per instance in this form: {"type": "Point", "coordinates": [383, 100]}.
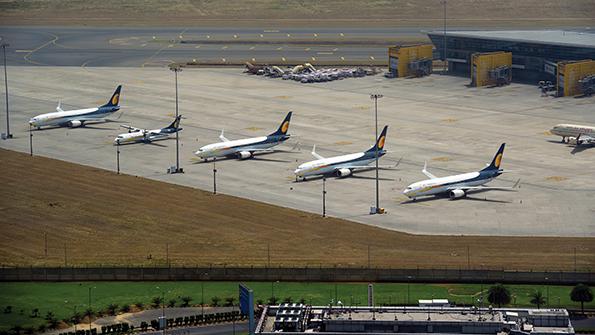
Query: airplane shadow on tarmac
{"type": "Point", "coordinates": [445, 196]}
{"type": "Point", "coordinates": [256, 157]}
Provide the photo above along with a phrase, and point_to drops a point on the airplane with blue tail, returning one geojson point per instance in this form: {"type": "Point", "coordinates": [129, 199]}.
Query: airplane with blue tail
{"type": "Point", "coordinates": [458, 186]}
{"type": "Point", "coordinates": [245, 148]}
{"type": "Point", "coordinates": [139, 135]}
{"type": "Point", "coordinates": [344, 165]}
{"type": "Point", "coordinates": [78, 117]}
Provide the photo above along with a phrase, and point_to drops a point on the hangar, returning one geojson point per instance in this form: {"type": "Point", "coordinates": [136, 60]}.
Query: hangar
{"type": "Point", "coordinates": [535, 53]}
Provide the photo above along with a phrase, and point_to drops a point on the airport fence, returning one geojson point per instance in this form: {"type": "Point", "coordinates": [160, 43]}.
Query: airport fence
{"type": "Point", "coordinates": [306, 274]}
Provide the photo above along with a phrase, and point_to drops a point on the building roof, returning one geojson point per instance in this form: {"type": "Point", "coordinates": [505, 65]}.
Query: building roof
{"type": "Point", "coordinates": [553, 37]}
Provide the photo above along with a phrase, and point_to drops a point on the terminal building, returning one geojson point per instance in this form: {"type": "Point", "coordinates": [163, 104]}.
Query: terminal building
{"type": "Point", "coordinates": [535, 53]}
{"type": "Point", "coordinates": [341, 320]}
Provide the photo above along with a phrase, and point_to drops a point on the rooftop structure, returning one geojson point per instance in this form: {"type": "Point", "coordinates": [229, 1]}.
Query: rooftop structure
{"type": "Point", "coordinates": [411, 320]}
{"type": "Point", "coordinates": [534, 52]}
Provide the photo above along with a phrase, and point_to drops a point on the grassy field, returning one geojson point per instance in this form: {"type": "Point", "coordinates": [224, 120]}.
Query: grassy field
{"type": "Point", "coordinates": [84, 216]}
{"type": "Point", "coordinates": [60, 298]}
{"type": "Point", "coordinates": [276, 13]}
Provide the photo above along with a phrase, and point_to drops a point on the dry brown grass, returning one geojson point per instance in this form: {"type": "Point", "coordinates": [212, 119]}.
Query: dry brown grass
{"type": "Point", "coordinates": [276, 13]}
{"type": "Point", "coordinates": [105, 218]}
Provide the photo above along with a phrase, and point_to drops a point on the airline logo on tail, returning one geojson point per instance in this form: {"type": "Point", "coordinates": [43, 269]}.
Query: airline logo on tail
{"type": "Point", "coordinates": [381, 142]}
{"type": "Point", "coordinates": [497, 160]}
{"type": "Point", "coordinates": [115, 99]}
{"type": "Point", "coordinates": [285, 127]}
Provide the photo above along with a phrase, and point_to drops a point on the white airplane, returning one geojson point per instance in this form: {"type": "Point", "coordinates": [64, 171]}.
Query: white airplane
{"type": "Point", "coordinates": [342, 166]}
{"type": "Point", "coordinates": [457, 186]}
{"type": "Point", "coordinates": [245, 148]}
{"type": "Point", "coordinates": [138, 135]}
{"type": "Point", "coordinates": [77, 118]}
{"type": "Point", "coordinates": [575, 134]}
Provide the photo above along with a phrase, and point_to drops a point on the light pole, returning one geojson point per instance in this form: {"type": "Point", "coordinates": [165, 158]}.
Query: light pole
{"type": "Point", "coordinates": [547, 288]}
{"type": "Point", "coordinates": [8, 134]}
{"type": "Point", "coordinates": [177, 68]}
{"type": "Point", "coordinates": [118, 156]}
{"type": "Point", "coordinates": [90, 307]}
{"type": "Point", "coordinates": [31, 143]}
{"type": "Point", "coordinates": [408, 283]}
{"type": "Point", "coordinates": [445, 66]}
{"type": "Point", "coordinates": [375, 97]}
{"type": "Point", "coordinates": [214, 175]}
{"type": "Point", "coordinates": [323, 197]}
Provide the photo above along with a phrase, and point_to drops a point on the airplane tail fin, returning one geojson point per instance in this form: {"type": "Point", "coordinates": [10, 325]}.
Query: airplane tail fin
{"type": "Point", "coordinates": [284, 127]}
{"type": "Point", "coordinates": [380, 141]}
{"type": "Point", "coordinates": [495, 165]}
{"type": "Point", "coordinates": [176, 124]}
{"type": "Point", "coordinates": [59, 107]}
{"type": "Point", "coordinates": [115, 99]}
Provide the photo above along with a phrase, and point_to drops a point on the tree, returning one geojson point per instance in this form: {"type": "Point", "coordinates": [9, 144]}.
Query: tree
{"type": "Point", "coordinates": [53, 323]}
{"type": "Point", "coordinates": [260, 302]}
{"type": "Point", "coordinates": [139, 305]}
{"type": "Point", "coordinates": [125, 308]}
{"type": "Point", "coordinates": [171, 303]}
{"type": "Point", "coordinates": [156, 302]}
{"type": "Point", "coordinates": [215, 301]}
{"type": "Point", "coordinates": [273, 300]}
{"type": "Point", "coordinates": [581, 293]}
{"type": "Point", "coordinates": [49, 316]}
{"type": "Point", "coordinates": [288, 300]}
{"type": "Point", "coordinates": [112, 309]}
{"type": "Point", "coordinates": [35, 313]}
{"type": "Point", "coordinates": [16, 329]}
{"type": "Point", "coordinates": [42, 328]}
{"type": "Point", "coordinates": [229, 301]}
{"type": "Point", "coordinates": [186, 301]}
{"type": "Point", "coordinates": [89, 313]}
{"type": "Point", "coordinates": [537, 298]}
{"type": "Point", "coordinates": [499, 295]}
{"type": "Point", "coordinates": [76, 317]}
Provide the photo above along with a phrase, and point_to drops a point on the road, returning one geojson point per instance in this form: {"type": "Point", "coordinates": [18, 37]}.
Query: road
{"type": "Point", "coordinates": [133, 47]}
{"type": "Point", "coordinates": [150, 47]}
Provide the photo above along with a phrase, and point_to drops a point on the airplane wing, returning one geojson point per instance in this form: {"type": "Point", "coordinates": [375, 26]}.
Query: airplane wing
{"type": "Point", "coordinates": [475, 188]}
{"type": "Point", "coordinates": [222, 137]}
{"type": "Point", "coordinates": [133, 129]}
{"type": "Point", "coordinates": [315, 154]}
{"type": "Point", "coordinates": [426, 172]}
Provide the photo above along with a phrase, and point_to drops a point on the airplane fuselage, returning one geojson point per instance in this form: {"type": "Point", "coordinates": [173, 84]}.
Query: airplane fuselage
{"type": "Point", "coordinates": [72, 118]}
{"type": "Point", "coordinates": [572, 130]}
{"type": "Point", "coordinates": [142, 136]}
{"type": "Point", "coordinates": [330, 165]}
{"type": "Point", "coordinates": [447, 184]}
{"type": "Point", "coordinates": [231, 148]}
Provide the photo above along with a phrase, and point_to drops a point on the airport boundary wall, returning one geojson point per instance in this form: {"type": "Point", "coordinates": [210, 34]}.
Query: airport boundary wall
{"type": "Point", "coordinates": [314, 274]}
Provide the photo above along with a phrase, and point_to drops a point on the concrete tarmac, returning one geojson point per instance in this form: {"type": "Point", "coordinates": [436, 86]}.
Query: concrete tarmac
{"type": "Point", "coordinates": [112, 46]}
{"type": "Point", "coordinates": [437, 119]}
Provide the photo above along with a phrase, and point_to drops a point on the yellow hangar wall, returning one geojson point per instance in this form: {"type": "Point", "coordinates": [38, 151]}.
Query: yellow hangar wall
{"type": "Point", "coordinates": [570, 72]}
{"type": "Point", "coordinates": [400, 58]}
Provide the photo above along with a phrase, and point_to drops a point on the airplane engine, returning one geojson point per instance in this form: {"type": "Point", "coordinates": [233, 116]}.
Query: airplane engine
{"type": "Point", "coordinates": [454, 194]}
{"type": "Point", "coordinates": [244, 154]}
{"type": "Point", "coordinates": [74, 124]}
{"type": "Point", "coordinates": [343, 173]}
{"type": "Point", "coordinates": [574, 141]}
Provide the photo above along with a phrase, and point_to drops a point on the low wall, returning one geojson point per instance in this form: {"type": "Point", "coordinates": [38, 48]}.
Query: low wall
{"type": "Point", "coordinates": [290, 274]}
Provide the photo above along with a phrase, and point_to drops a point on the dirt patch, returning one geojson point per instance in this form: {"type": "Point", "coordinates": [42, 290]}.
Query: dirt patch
{"type": "Point", "coordinates": [278, 13]}
{"type": "Point", "coordinates": [97, 217]}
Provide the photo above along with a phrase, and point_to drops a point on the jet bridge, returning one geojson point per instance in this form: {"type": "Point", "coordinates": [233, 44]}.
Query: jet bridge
{"type": "Point", "coordinates": [410, 60]}
{"type": "Point", "coordinates": [576, 77]}
{"type": "Point", "coordinates": [491, 68]}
